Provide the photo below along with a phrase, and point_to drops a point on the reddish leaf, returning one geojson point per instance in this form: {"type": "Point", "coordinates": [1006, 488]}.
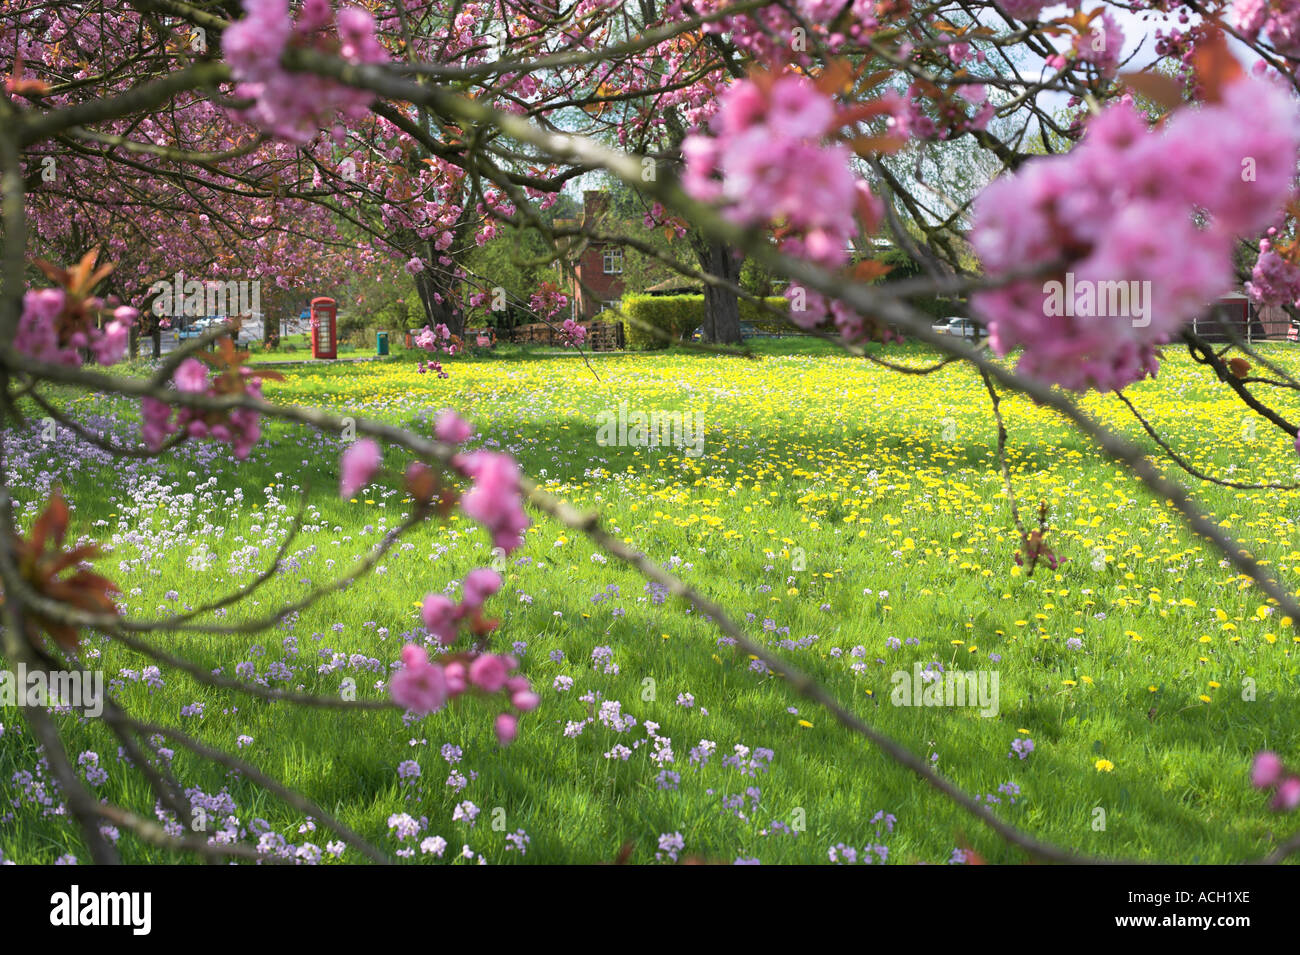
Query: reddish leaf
{"type": "Point", "coordinates": [1160, 89]}
{"type": "Point", "coordinates": [868, 270]}
{"type": "Point", "coordinates": [866, 146]}
{"type": "Point", "coordinates": [835, 79]}
{"type": "Point", "coordinates": [42, 560]}
{"type": "Point", "coordinates": [1216, 68]}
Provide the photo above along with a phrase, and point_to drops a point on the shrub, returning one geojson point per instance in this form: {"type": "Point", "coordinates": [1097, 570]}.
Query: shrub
{"type": "Point", "coordinates": [764, 320]}
{"type": "Point", "coordinates": [669, 317]}
{"type": "Point", "coordinates": [673, 318]}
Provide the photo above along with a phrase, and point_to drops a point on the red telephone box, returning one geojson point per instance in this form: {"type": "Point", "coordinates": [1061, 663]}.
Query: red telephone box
{"type": "Point", "coordinates": [324, 328]}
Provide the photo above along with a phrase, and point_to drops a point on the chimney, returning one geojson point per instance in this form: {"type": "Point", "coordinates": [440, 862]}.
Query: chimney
{"type": "Point", "coordinates": [594, 203]}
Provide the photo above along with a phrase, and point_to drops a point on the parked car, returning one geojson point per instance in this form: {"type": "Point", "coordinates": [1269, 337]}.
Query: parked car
{"type": "Point", "coordinates": [963, 327]}
{"type": "Point", "coordinates": [200, 325]}
{"type": "Point", "coordinates": [194, 328]}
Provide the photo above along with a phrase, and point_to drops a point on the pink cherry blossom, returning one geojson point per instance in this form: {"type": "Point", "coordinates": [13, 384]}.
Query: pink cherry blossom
{"type": "Point", "coordinates": [191, 376]}
{"type": "Point", "coordinates": [480, 584]}
{"type": "Point", "coordinates": [1120, 208]}
{"type": "Point", "coordinates": [1279, 21]}
{"type": "Point", "coordinates": [294, 105]}
{"type": "Point", "coordinates": [441, 616]}
{"type": "Point", "coordinates": [420, 686]}
{"type": "Point", "coordinates": [507, 728]}
{"type": "Point", "coordinates": [767, 163]}
{"type": "Point", "coordinates": [1273, 280]}
{"type": "Point", "coordinates": [488, 672]}
{"type": "Point", "coordinates": [525, 700]}
{"type": "Point", "coordinates": [357, 465]}
{"type": "Point", "coordinates": [1287, 796]}
{"type": "Point", "coordinates": [495, 500]}
{"type": "Point", "coordinates": [452, 428]}
{"type": "Point", "coordinates": [572, 334]}
{"type": "Point", "coordinates": [1024, 9]}
{"type": "Point", "coordinates": [1266, 770]}
{"type": "Point", "coordinates": [457, 678]}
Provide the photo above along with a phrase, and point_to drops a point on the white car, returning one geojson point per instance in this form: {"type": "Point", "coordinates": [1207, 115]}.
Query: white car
{"type": "Point", "coordinates": [962, 327]}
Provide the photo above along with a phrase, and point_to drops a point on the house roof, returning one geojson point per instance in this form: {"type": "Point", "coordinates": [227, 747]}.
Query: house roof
{"type": "Point", "coordinates": [677, 283]}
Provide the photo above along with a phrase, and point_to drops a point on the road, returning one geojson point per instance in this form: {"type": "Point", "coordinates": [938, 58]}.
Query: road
{"type": "Point", "coordinates": [249, 335]}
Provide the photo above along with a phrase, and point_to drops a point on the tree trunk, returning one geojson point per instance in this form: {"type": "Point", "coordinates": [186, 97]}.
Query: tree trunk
{"type": "Point", "coordinates": [270, 325]}
{"type": "Point", "coordinates": [433, 282]}
{"type": "Point", "coordinates": [721, 306]}
{"type": "Point", "coordinates": [146, 324]}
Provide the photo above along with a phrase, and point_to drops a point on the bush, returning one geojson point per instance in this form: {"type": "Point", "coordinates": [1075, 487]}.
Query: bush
{"type": "Point", "coordinates": [673, 318]}
{"type": "Point", "coordinates": [905, 267]}
{"type": "Point", "coordinates": [764, 320]}
{"type": "Point", "coordinates": [669, 317]}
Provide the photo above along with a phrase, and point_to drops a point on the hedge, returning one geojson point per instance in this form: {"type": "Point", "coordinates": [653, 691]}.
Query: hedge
{"type": "Point", "coordinates": [677, 316]}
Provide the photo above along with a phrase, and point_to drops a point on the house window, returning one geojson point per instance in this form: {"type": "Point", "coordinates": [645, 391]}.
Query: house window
{"type": "Point", "coordinates": [613, 261]}
{"type": "Point", "coordinates": [613, 305]}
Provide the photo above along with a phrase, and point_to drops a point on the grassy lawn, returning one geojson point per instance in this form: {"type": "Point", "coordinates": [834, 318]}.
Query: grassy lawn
{"type": "Point", "coordinates": [1138, 655]}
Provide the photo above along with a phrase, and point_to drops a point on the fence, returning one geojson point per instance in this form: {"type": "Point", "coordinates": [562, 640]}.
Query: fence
{"type": "Point", "coordinates": [601, 336]}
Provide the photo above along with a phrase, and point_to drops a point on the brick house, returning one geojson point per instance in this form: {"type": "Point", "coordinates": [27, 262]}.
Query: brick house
{"type": "Point", "coordinates": [598, 280]}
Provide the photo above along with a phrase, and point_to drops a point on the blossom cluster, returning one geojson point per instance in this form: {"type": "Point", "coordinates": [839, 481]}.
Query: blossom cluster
{"type": "Point", "coordinates": [424, 687]}
{"type": "Point", "coordinates": [1279, 21]}
{"type": "Point", "coordinates": [293, 106]}
{"type": "Point", "coordinates": [1268, 772]}
{"type": "Point", "coordinates": [767, 162]}
{"type": "Point", "coordinates": [238, 427]}
{"type": "Point", "coordinates": [444, 616]}
{"type": "Point", "coordinates": [572, 334]}
{"type": "Point", "coordinates": [1274, 280]}
{"type": "Point", "coordinates": [495, 500]}
{"type": "Point", "coordinates": [437, 338]}
{"type": "Point", "coordinates": [421, 685]}
{"type": "Point", "coordinates": [770, 161]}
{"type": "Point", "coordinates": [1131, 207]}
{"type": "Point", "coordinates": [548, 300]}
{"type": "Point", "coordinates": [55, 328]}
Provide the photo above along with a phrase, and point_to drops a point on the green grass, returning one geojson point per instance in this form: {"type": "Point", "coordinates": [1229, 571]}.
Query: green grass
{"type": "Point", "coordinates": [882, 484]}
